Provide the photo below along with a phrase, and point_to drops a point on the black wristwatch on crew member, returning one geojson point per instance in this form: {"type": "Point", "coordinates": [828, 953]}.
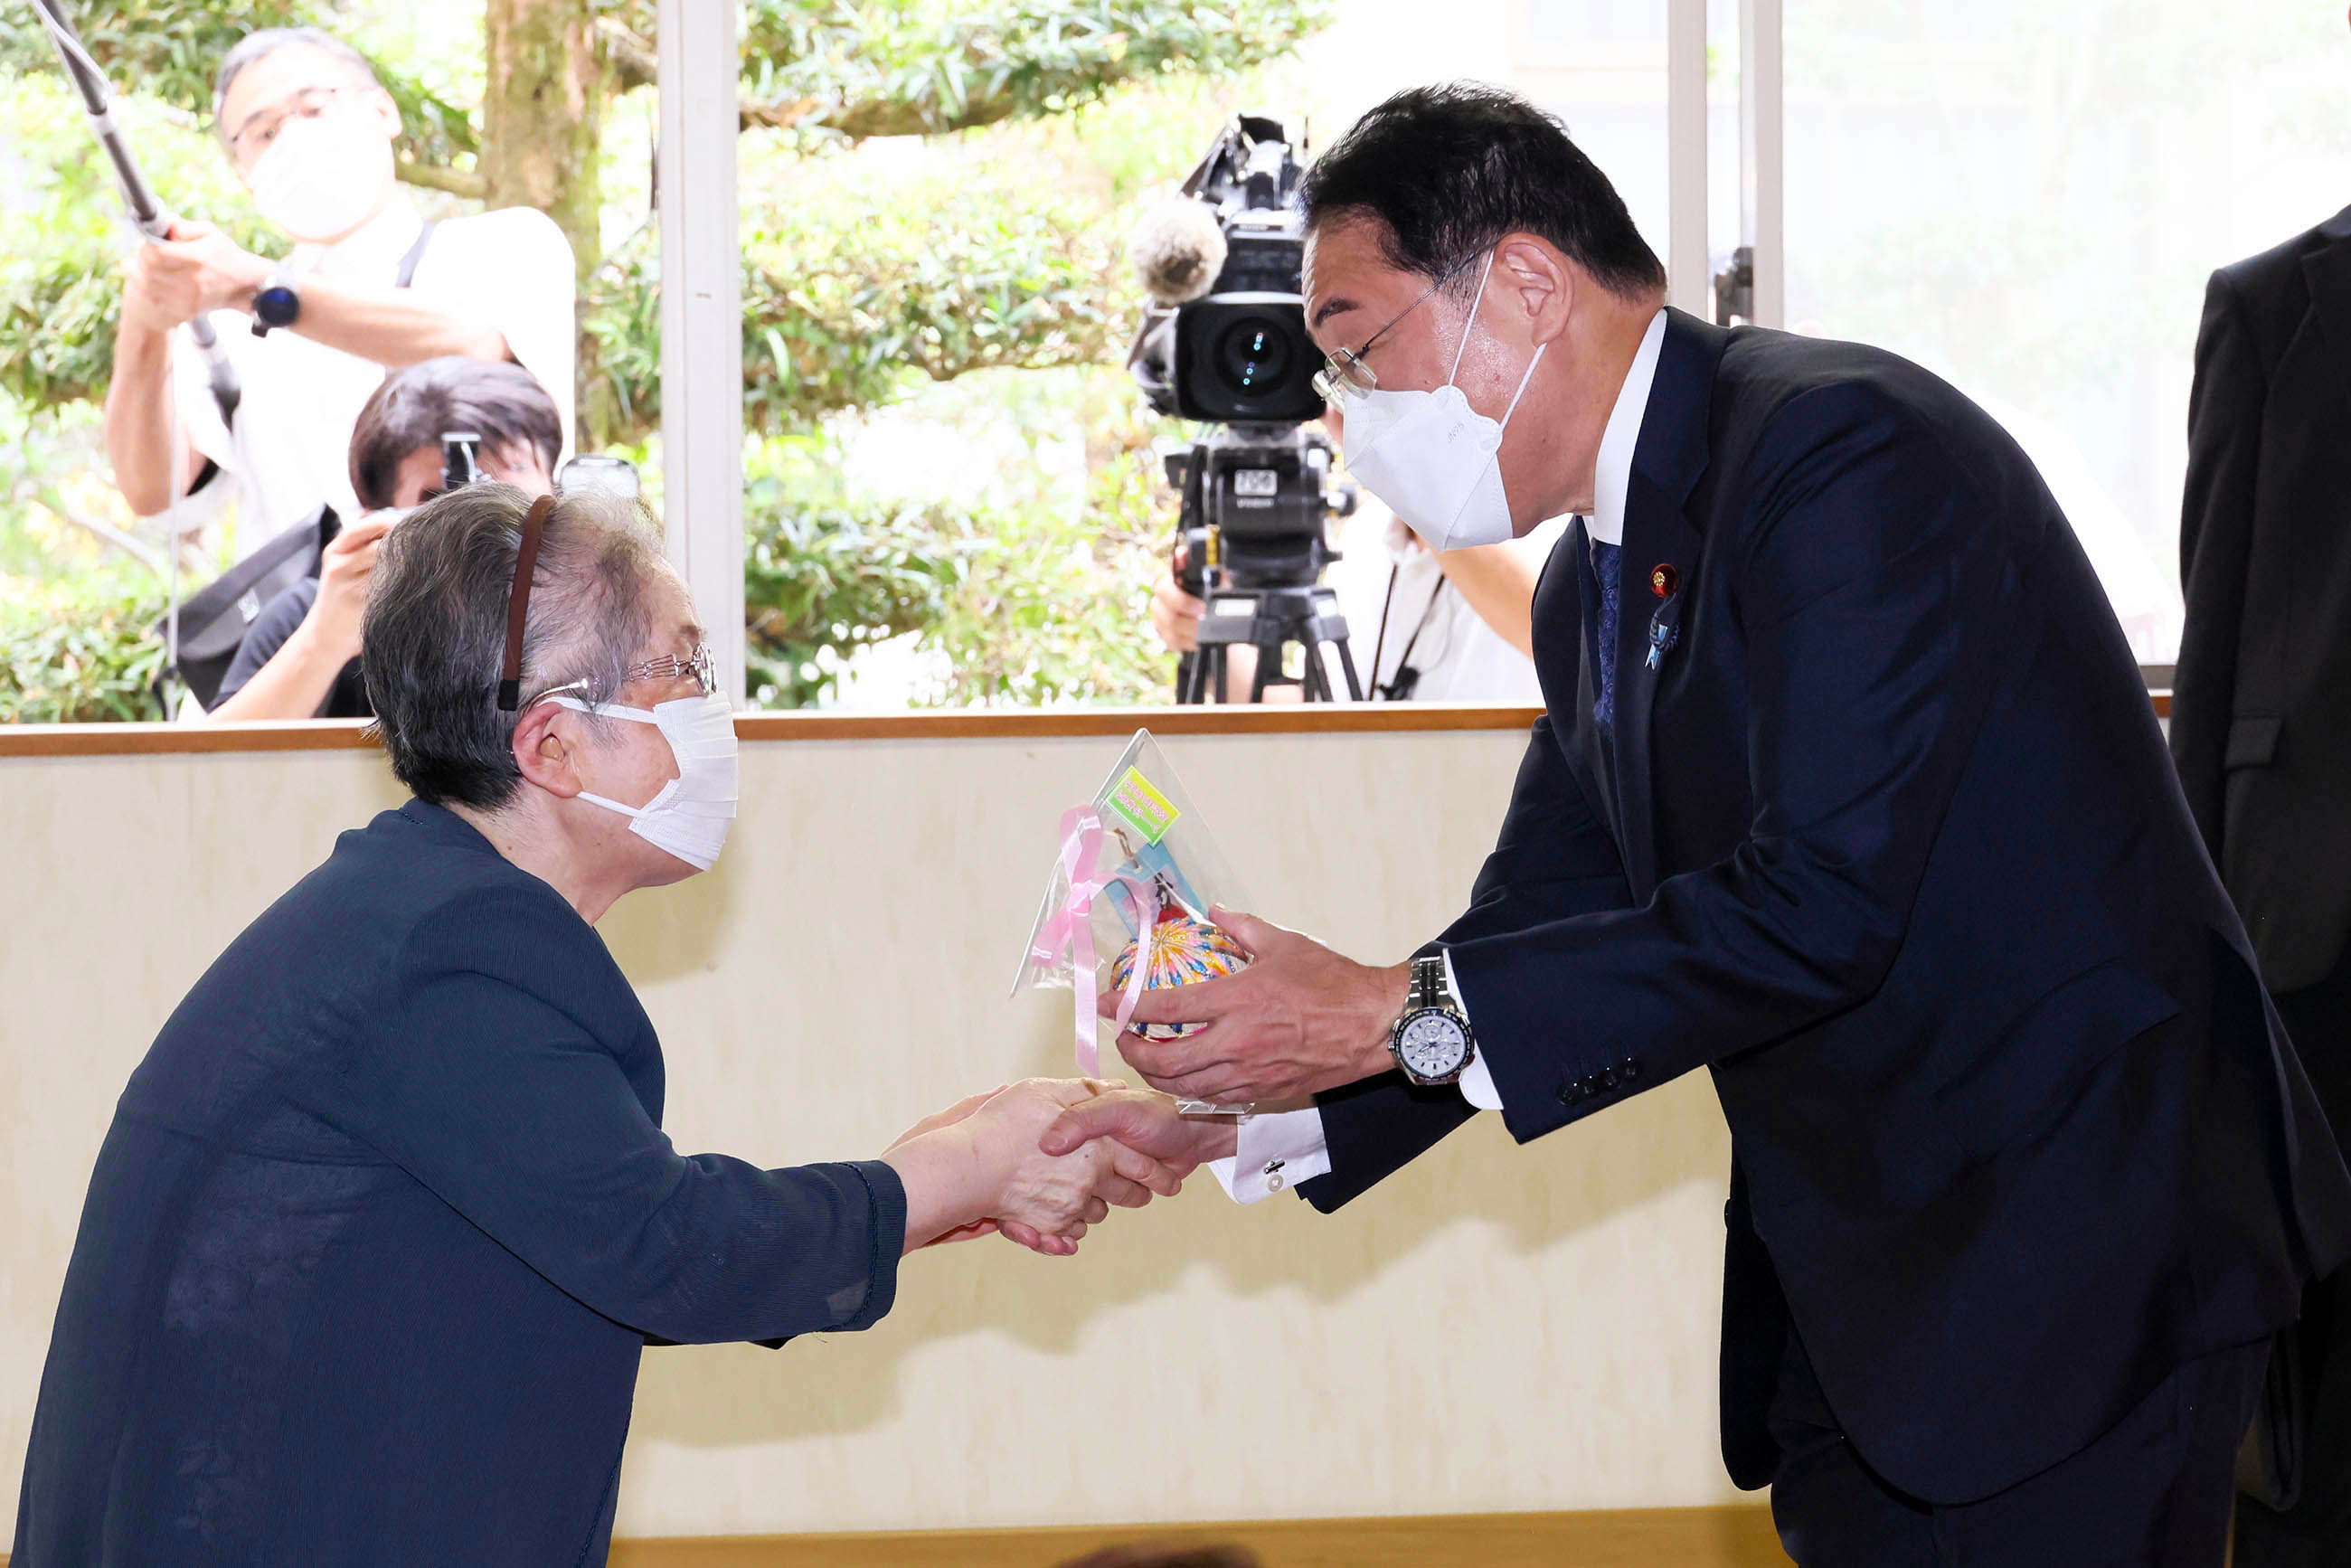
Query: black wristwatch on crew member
{"type": "Point", "coordinates": [1432, 1042]}
{"type": "Point", "coordinates": [276, 304]}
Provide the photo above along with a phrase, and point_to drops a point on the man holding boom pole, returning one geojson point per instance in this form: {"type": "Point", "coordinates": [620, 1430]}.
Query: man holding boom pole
{"type": "Point", "coordinates": [368, 287]}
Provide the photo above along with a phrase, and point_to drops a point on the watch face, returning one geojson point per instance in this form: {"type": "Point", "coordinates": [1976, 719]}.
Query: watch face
{"type": "Point", "coordinates": [277, 305]}
{"type": "Point", "coordinates": [1433, 1045]}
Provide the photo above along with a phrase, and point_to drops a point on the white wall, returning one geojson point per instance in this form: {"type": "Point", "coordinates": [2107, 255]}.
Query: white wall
{"type": "Point", "coordinates": [1495, 1329]}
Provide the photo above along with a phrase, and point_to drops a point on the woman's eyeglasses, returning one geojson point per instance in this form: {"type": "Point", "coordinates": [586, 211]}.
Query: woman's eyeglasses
{"type": "Point", "coordinates": [697, 666]}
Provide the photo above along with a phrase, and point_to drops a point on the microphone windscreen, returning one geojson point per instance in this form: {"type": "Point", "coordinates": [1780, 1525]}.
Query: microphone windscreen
{"type": "Point", "coordinates": [1178, 248]}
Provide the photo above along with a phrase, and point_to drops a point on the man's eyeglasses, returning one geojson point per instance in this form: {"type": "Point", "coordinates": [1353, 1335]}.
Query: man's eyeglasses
{"type": "Point", "coordinates": [253, 137]}
{"type": "Point", "coordinates": [1344, 375]}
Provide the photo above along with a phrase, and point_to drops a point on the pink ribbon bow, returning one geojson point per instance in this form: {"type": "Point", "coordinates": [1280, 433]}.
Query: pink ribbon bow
{"type": "Point", "coordinates": [1070, 929]}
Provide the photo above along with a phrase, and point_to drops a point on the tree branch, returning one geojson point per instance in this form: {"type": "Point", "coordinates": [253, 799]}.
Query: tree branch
{"type": "Point", "coordinates": [136, 549]}
{"type": "Point", "coordinates": [634, 62]}
{"type": "Point", "coordinates": [434, 177]}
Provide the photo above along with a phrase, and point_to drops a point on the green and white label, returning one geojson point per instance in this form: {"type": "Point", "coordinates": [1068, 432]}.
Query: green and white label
{"type": "Point", "coordinates": [1148, 811]}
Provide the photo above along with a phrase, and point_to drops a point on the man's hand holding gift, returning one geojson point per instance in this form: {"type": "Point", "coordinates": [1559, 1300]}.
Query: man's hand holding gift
{"type": "Point", "coordinates": [1300, 1019]}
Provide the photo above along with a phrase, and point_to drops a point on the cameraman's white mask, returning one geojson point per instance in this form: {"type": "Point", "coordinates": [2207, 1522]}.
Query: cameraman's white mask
{"type": "Point", "coordinates": [1432, 458]}
{"type": "Point", "coordinates": [690, 815]}
{"type": "Point", "coordinates": [324, 174]}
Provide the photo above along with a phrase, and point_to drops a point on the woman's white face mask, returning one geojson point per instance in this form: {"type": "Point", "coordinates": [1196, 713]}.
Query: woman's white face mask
{"type": "Point", "coordinates": [690, 815]}
{"type": "Point", "coordinates": [1435, 460]}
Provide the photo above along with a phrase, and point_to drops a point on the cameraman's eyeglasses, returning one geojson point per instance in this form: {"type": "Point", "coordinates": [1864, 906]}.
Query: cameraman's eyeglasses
{"type": "Point", "coordinates": [1344, 375]}
{"type": "Point", "coordinates": [253, 137]}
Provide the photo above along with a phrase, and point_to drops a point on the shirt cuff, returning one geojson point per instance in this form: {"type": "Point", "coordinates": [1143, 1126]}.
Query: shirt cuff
{"type": "Point", "coordinates": [1276, 1150]}
{"type": "Point", "coordinates": [1477, 1082]}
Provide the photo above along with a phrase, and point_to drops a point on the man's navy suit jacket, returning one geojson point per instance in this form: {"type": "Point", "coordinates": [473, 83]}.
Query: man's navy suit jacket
{"type": "Point", "coordinates": [1887, 839]}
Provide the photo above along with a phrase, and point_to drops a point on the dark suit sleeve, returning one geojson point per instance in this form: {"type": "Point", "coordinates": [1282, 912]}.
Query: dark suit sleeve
{"type": "Point", "coordinates": [1553, 860]}
{"type": "Point", "coordinates": [1877, 575]}
{"type": "Point", "coordinates": [2216, 541]}
{"type": "Point", "coordinates": [520, 1118]}
{"type": "Point", "coordinates": [268, 632]}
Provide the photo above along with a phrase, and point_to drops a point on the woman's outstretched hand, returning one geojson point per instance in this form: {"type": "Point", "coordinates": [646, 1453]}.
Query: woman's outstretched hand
{"type": "Point", "coordinates": [977, 1167]}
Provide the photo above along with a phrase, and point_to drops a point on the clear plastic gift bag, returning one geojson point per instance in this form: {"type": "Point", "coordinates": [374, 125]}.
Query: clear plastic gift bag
{"type": "Point", "coordinates": [1127, 904]}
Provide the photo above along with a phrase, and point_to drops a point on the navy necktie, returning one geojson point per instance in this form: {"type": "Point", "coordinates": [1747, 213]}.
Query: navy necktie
{"type": "Point", "coordinates": [1607, 565]}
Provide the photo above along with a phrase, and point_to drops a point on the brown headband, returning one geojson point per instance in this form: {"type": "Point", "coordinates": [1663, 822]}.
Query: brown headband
{"type": "Point", "coordinates": [534, 525]}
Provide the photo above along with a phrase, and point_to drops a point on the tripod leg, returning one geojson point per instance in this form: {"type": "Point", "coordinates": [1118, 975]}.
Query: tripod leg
{"type": "Point", "coordinates": [1267, 659]}
{"type": "Point", "coordinates": [1347, 668]}
{"type": "Point", "coordinates": [1314, 681]}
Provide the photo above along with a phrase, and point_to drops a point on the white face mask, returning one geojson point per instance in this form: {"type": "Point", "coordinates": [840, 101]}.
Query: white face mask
{"type": "Point", "coordinates": [690, 815]}
{"type": "Point", "coordinates": [323, 174]}
{"type": "Point", "coordinates": [1432, 458]}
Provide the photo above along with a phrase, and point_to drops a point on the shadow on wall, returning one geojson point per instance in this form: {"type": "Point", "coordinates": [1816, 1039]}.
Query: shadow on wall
{"type": "Point", "coordinates": [1584, 1177]}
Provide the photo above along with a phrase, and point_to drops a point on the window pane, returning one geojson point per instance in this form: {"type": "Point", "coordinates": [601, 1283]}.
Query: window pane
{"type": "Point", "coordinates": [491, 193]}
{"type": "Point", "coordinates": [2028, 198]}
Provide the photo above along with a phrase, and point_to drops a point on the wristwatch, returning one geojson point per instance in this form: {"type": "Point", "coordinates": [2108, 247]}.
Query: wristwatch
{"type": "Point", "coordinates": [276, 304]}
{"type": "Point", "coordinates": [1431, 1042]}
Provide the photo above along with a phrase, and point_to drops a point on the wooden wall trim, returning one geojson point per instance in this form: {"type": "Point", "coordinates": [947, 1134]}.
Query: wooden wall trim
{"type": "Point", "coordinates": [982, 723]}
{"type": "Point", "coordinates": [1734, 1536]}
{"type": "Point", "coordinates": [1031, 724]}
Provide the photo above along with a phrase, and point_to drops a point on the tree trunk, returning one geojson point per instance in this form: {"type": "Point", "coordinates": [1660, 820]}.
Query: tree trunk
{"type": "Point", "coordinates": [542, 121]}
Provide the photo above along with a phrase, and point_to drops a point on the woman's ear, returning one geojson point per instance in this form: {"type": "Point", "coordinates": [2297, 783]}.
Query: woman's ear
{"type": "Point", "coordinates": [546, 739]}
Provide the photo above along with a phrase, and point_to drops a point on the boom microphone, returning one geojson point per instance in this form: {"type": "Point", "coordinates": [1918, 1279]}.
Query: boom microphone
{"type": "Point", "coordinates": [147, 214]}
{"type": "Point", "coordinates": [1177, 249]}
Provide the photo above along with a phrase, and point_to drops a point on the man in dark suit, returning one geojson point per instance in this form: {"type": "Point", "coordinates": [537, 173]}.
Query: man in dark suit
{"type": "Point", "coordinates": [1849, 792]}
{"type": "Point", "coordinates": [2260, 727]}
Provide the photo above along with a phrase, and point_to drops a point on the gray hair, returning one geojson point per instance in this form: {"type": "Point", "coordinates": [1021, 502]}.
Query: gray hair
{"type": "Point", "coordinates": [434, 633]}
{"type": "Point", "coordinates": [268, 41]}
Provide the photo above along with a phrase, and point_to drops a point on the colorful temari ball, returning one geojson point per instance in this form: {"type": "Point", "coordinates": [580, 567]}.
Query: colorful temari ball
{"type": "Point", "coordinates": [1184, 951]}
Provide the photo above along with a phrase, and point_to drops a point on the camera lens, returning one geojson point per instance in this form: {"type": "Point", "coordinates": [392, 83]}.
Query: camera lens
{"type": "Point", "coordinates": [1253, 355]}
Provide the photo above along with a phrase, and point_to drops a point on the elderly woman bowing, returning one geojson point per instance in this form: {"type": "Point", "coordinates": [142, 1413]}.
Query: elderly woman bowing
{"type": "Point", "coordinates": [386, 1214]}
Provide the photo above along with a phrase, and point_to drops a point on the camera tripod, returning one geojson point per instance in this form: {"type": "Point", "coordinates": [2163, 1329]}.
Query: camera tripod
{"type": "Point", "coordinates": [1269, 620]}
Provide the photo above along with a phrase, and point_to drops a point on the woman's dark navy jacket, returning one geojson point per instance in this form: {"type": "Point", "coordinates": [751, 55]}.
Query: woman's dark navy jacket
{"type": "Point", "coordinates": [380, 1227]}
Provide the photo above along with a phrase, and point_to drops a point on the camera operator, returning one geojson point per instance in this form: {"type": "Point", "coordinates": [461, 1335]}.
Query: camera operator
{"type": "Point", "coordinates": [368, 287]}
{"type": "Point", "coordinates": [301, 658]}
{"type": "Point", "coordinates": [1428, 628]}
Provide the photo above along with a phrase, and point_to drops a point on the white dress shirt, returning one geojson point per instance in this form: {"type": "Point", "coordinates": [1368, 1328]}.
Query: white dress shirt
{"type": "Point", "coordinates": [1384, 573]}
{"type": "Point", "coordinates": [511, 268]}
{"type": "Point", "coordinates": [1279, 1149]}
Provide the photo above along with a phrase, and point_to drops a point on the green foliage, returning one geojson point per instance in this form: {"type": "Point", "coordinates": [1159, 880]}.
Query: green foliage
{"type": "Point", "coordinates": [59, 286]}
{"type": "Point", "coordinates": [845, 300]}
{"type": "Point", "coordinates": [837, 312]}
{"type": "Point", "coordinates": [901, 67]}
{"type": "Point", "coordinates": [79, 653]}
{"type": "Point", "coordinates": [824, 574]}
{"type": "Point", "coordinates": [1048, 605]}
{"type": "Point", "coordinates": [75, 603]}
{"type": "Point", "coordinates": [173, 50]}
{"type": "Point", "coordinates": [877, 276]}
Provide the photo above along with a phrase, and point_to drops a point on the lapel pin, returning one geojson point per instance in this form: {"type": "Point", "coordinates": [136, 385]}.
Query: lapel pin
{"type": "Point", "coordinates": [1664, 580]}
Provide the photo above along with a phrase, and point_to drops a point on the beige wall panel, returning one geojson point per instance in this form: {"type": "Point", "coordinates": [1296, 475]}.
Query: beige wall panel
{"type": "Point", "coordinates": [1496, 1329]}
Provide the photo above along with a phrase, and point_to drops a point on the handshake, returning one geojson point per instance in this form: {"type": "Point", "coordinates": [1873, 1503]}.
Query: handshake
{"type": "Point", "coordinates": [1040, 1161]}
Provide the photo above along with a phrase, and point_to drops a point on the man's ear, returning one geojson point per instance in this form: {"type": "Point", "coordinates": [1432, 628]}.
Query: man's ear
{"type": "Point", "coordinates": [1531, 270]}
{"type": "Point", "coordinates": [545, 742]}
{"type": "Point", "coordinates": [387, 110]}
